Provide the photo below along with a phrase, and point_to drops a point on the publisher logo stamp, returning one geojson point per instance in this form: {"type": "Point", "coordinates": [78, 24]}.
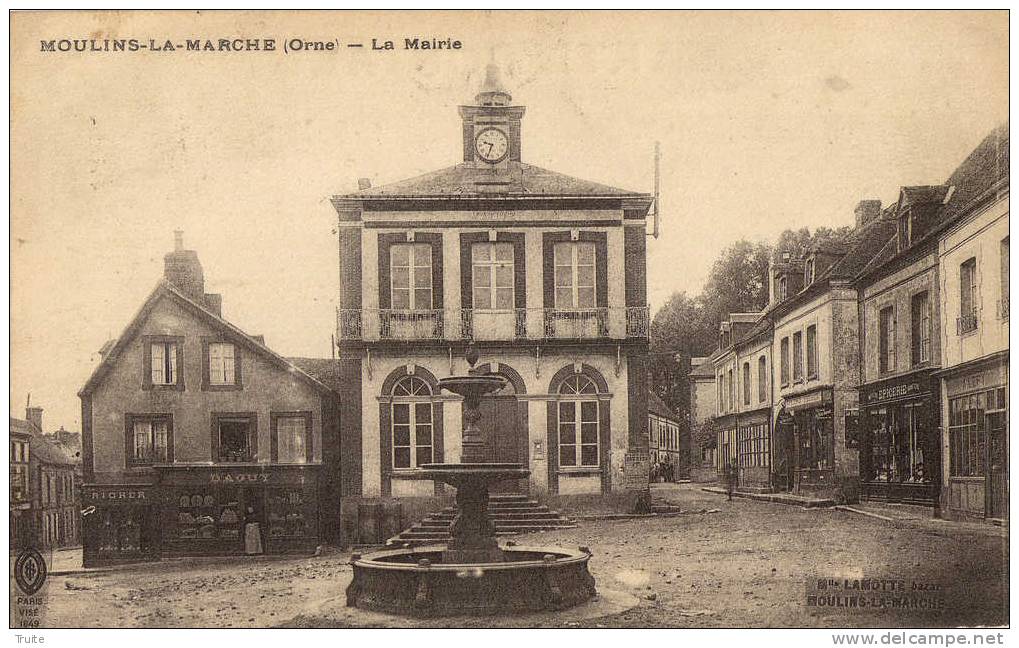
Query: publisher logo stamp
{"type": "Point", "coordinates": [30, 571]}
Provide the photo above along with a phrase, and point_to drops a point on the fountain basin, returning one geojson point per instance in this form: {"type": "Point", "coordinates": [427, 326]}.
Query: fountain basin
{"type": "Point", "coordinates": [416, 582]}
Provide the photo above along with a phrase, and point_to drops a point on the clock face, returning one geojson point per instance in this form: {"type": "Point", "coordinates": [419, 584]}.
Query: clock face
{"type": "Point", "coordinates": [491, 144]}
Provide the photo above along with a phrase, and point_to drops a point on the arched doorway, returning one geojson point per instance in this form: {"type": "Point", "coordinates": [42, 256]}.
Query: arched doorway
{"type": "Point", "coordinates": [504, 424]}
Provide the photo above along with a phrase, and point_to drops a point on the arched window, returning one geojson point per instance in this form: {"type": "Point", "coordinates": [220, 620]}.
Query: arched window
{"type": "Point", "coordinates": [578, 422]}
{"type": "Point", "coordinates": [412, 423]}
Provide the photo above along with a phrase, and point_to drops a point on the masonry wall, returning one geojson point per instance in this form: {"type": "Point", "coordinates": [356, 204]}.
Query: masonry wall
{"type": "Point", "coordinates": [536, 375]}
{"type": "Point", "coordinates": [266, 388]}
{"type": "Point", "coordinates": [896, 290]}
{"type": "Point", "coordinates": [978, 237]}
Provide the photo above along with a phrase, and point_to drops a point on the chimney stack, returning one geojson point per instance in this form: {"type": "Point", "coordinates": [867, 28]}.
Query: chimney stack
{"type": "Point", "coordinates": [867, 211]}
{"type": "Point", "coordinates": [183, 269]}
{"type": "Point", "coordinates": [34, 416]}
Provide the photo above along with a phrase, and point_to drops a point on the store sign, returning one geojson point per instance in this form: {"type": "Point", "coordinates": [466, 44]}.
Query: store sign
{"type": "Point", "coordinates": [238, 478]}
{"type": "Point", "coordinates": [894, 392]}
{"type": "Point", "coordinates": [823, 413]}
{"type": "Point", "coordinates": [976, 381]}
{"type": "Point", "coordinates": [117, 495]}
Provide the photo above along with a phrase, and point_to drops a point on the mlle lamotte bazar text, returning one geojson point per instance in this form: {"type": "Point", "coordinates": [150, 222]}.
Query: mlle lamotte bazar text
{"type": "Point", "coordinates": [287, 45]}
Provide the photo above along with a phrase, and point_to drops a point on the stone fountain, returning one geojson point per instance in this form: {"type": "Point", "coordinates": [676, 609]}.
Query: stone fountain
{"type": "Point", "coordinates": [471, 574]}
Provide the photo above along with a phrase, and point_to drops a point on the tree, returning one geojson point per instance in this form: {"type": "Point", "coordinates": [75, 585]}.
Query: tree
{"type": "Point", "coordinates": [799, 243]}
{"type": "Point", "coordinates": [738, 282]}
{"type": "Point", "coordinates": [686, 327]}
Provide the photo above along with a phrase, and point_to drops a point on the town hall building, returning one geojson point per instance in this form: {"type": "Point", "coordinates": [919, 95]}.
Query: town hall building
{"type": "Point", "coordinates": [545, 273]}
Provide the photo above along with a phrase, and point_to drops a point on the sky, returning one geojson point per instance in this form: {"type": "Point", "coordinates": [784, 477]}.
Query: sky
{"type": "Point", "coordinates": [767, 121]}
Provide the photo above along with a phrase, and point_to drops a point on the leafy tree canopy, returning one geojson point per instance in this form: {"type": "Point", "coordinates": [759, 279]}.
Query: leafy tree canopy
{"type": "Point", "coordinates": [686, 326]}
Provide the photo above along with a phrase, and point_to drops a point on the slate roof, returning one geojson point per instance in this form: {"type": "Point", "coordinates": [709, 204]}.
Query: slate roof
{"type": "Point", "coordinates": [513, 179]}
{"type": "Point", "coordinates": [23, 426]}
{"type": "Point", "coordinates": [40, 448]}
{"type": "Point", "coordinates": [44, 450]}
{"type": "Point", "coordinates": [984, 167]}
{"type": "Point", "coordinates": [326, 370]}
{"type": "Point", "coordinates": [655, 405]}
{"type": "Point", "coordinates": [706, 368]}
{"type": "Point", "coordinates": [165, 289]}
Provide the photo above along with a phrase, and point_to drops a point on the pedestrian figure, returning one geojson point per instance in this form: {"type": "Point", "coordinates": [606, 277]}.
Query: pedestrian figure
{"type": "Point", "coordinates": [252, 533]}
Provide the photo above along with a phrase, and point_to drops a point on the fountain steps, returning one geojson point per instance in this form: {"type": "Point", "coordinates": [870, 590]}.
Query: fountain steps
{"type": "Point", "coordinates": [510, 514]}
{"type": "Point", "coordinates": [444, 516]}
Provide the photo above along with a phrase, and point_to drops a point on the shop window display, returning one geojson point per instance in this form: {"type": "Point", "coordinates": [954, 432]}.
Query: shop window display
{"type": "Point", "coordinates": [119, 531]}
{"type": "Point", "coordinates": [901, 446]}
{"type": "Point", "coordinates": [206, 516]}
{"type": "Point", "coordinates": [968, 431]}
{"type": "Point", "coordinates": [288, 513]}
{"type": "Point", "coordinates": [815, 440]}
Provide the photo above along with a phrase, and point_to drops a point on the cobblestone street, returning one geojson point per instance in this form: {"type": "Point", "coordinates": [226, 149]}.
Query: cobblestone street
{"type": "Point", "coordinates": [719, 564]}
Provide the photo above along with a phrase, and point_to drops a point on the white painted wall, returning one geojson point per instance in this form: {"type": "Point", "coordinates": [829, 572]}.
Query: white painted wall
{"type": "Point", "coordinates": [817, 312]}
{"type": "Point", "coordinates": [979, 237]}
{"type": "Point", "coordinates": [536, 376]}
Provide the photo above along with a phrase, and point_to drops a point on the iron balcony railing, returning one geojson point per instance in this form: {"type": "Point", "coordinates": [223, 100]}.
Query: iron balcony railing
{"type": "Point", "coordinates": [1003, 308]}
{"type": "Point", "coordinates": [966, 323]}
{"type": "Point", "coordinates": [631, 322]}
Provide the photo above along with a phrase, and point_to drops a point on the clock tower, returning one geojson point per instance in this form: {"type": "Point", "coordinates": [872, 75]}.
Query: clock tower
{"type": "Point", "coordinates": [491, 127]}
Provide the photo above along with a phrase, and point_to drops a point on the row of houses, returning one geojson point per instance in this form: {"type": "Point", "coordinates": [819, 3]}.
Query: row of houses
{"type": "Point", "coordinates": [193, 428]}
{"type": "Point", "coordinates": [45, 479]}
{"type": "Point", "coordinates": [879, 369]}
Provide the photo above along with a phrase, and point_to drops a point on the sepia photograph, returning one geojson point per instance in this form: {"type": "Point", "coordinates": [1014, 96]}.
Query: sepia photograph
{"type": "Point", "coordinates": [510, 319]}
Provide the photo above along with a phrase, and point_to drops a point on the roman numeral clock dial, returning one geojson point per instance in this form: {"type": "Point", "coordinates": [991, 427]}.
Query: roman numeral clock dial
{"type": "Point", "coordinates": [491, 145]}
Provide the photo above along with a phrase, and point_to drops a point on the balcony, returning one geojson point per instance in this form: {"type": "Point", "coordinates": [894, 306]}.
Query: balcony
{"type": "Point", "coordinates": [494, 325]}
{"type": "Point", "coordinates": [966, 324]}
{"type": "Point", "coordinates": [1003, 308]}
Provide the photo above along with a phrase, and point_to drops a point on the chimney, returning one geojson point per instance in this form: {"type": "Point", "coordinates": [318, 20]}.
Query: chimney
{"type": "Point", "coordinates": [34, 416]}
{"type": "Point", "coordinates": [867, 211]}
{"type": "Point", "coordinates": [183, 269]}
{"type": "Point", "coordinates": [214, 302]}
{"type": "Point", "coordinates": [364, 183]}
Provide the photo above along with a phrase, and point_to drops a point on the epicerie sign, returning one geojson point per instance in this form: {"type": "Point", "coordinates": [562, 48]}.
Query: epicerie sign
{"type": "Point", "coordinates": [896, 391]}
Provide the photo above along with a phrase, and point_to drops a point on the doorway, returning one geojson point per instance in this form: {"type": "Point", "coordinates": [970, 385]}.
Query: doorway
{"type": "Point", "coordinates": [784, 453]}
{"type": "Point", "coordinates": [997, 465]}
{"type": "Point", "coordinates": [505, 436]}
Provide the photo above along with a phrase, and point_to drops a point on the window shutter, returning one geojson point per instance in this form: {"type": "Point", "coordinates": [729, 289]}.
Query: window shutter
{"type": "Point", "coordinates": [549, 240]}
{"type": "Point", "coordinates": [466, 267]}
{"type": "Point", "coordinates": [385, 241]}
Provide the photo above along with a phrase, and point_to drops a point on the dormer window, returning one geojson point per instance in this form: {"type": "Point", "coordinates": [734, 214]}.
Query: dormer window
{"type": "Point", "coordinates": [905, 230]}
{"type": "Point", "coordinates": [783, 288]}
{"type": "Point", "coordinates": [808, 272]}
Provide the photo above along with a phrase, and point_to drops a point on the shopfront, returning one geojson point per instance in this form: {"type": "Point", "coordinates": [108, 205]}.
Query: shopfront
{"type": "Point", "coordinates": [977, 417]}
{"type": "Point", "coordinates": [753, 446]}
{"type": "Point", "coordinates": [210, 510]}
{"type": "Point", "coordinates": [804, 450]}
{"type": "Point", "coordinates": [728, 447]}
{"type": "Point", "coordinates": [900, 446]}
{"type": "Point", "coordinates": [120, 523]}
